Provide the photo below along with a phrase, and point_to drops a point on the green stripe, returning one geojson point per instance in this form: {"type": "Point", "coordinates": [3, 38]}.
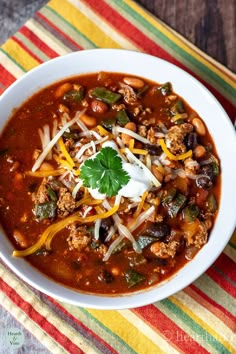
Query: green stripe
{"type": "Point", "coordinates": [216, 293]}
{"type": "Point", "coordinates": [31, 46]}
{"type": "Point", "coordinates": [12, 59]}
{"type": "Point", "coordinates": [176, 336]}
{"type": "Point", "coordinates": [101, 330]}
{"type": "Point", "coordinates": [68, 28]}
{"type": "Point", "coordinates": [200, 333]}
{"type": "Point", "coordinates": [176, 49]}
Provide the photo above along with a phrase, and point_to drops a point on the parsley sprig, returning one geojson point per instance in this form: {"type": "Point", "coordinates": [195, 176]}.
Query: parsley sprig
{"type": "Point", "coordinates": [104, 172]}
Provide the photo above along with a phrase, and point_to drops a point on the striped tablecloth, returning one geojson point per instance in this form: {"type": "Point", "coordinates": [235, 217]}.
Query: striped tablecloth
{"type": "Point", "coordinates": [199, 319]}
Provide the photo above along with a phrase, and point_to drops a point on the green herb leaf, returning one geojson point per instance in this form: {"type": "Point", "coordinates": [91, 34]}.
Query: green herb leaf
{"type": "Point", "coordinates": [104, 172]}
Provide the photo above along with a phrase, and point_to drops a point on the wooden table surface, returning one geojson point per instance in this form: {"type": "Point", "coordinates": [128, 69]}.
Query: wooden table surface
{"type": "Point", "coordinates": [209, 24]}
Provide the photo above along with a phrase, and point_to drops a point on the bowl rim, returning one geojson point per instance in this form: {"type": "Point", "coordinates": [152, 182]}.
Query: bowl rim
{"type": "Point", "coordinates": [174, 284]}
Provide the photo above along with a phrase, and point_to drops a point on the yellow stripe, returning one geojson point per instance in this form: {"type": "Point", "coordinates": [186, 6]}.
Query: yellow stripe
{"type": "Point", "coordinates": [103, 25]}
{"type": "Point", "coordinates": [17, 52]}
{"type": "Point", "coordinates": [44, 310]}
{"type": "Point", "coordinates": [207, 320]}
{"type": "Point", "coordinates": [157, 339]}
{"type": "Point", "coordinates": [10, 66]}
{"type": "Point", "coordinates": [171, 35]}
{"type": "Point", "coordinates": [125, 330]}
{"type": "Point", "coordinates": [83, 24]}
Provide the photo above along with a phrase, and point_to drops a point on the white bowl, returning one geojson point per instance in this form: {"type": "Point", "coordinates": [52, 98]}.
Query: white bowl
{"type": "Point", "coordinates": [199, 98]}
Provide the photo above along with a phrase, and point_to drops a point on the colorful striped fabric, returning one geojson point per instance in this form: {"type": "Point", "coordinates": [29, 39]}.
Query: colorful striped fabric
{"type": "Point", "coordinates": [202, 317]}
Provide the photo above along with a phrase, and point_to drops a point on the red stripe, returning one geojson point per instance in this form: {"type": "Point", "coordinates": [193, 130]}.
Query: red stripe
{"type": "Point", "coordinates": [212, 306]}
{"type": "Point", "coordinates": [88, 330]}
{"type": "Point", "coordinates": [23, 46]}
{"type": "Point", "coordinates": [45, 19]}
{"type": "Point", "coordinates": [221, 281]}
{"type": "Point", "coordinates": [29, 310]}
{"type": "Point", "coordinates": [38, 42]}
{"type": "Point", "coordinates": [146, 44]}
{"type": "Point", "coordinates": [168, 329]}
{"type": "Point", "coordinates": [227, 266]}
{"type": "Point", "coordinates": [6, 78]}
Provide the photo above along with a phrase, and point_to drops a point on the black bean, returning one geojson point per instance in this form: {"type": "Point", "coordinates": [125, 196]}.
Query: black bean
{"type": "Point", "coordinates": [159, 230]}
{"type": "Point", "coordinates": [208, 171]}
{"type": "Point", "coordinates": [105, 276]}
{"type": "Point", "coordinates": [191, 140]}
{"type": "Point", "coordinates": [153, 150]}
{"type": "Point", "coordinates": [106, 223]}
{"type": "Point", "coordinates": [104, 228]}
{"type": "Point", "coordinates": [204, 182]}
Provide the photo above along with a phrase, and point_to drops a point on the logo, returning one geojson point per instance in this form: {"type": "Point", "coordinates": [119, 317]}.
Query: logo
{"type": "Point", "coordinates": [14, 337]}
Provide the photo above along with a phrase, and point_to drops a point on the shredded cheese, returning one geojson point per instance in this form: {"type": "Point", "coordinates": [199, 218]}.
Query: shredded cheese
{"type": "Point", "coordinates": [62, 162]}
{"type": "Point", "coordinates": [87, 146]}
{"type": "Point", "coordinates": [77, 188]}
{"type": "Point", "coordinates": [142, 217]}
{"type": "Point", "coordinates": [53, 229]}
{"type": "Point", "coordinates": [44, 135]}
{"type": "Point", "coordinates": [49, 147]}
{"type": "Point", "coordinates": [46, 173]}
{"type": "Point", "coordinates": [133, 158]}
{"type": "Point", "coordinates": [113, 247]}
{"type": "Point", "coordinates": [172, 156]}
{"type": "Point", "coordinates": [140, 205]}
{"type": "Point", "coordinates": [103, 131]}
{"type": "Point", "coordinates": [97, 229]}
{"type": "Point", "coordinates": [123, 230]}
{"type": "Point", "coordinates": [135, 151]}
{"type": "Point", "coordinates": [130, 133]}
{"type": "Point", "coordinates": [131, 144]}
{"type": "Point", "coordinates": [65, 152]}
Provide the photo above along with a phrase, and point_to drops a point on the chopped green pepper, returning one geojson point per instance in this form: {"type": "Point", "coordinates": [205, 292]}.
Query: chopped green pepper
{"type": "Point", "coordinates": [142, 90]}
{"type": "Point", "coordinates": [133, 278]}
{"type": "Point", "coordinates": [165, 88]}
{"type": "Point", "coordinates": [145, 240]}
{"type": "Point", "coordinates": [74, 95]}
{"type": "Point", "coordinates": [105, 95]}
{"type": "Point", "coordinates": [215, 168]}
{"type": "Point", "coordinates": [122, 118]}
{"type": "Point", "coordinates": [46, 210]}
{"type": "Point", "coordinates": [211, 204]}
{"type": "Point", "coordinates": [169, 196]}
{"type": "Point", "coordinates": [178, 107]}
{"type": "Point", "coordinates": [179, 121]}
{"type": "Point", "coordinates": [190, 213]}
{"type": "Point", "coordinates": [52, 194]}
{"type": "Point", "coordinates": [73, 134]}
{"type": "Point", "coordinates": [176, 204]}
{"type": "Point", "coordinates": [109, 123]}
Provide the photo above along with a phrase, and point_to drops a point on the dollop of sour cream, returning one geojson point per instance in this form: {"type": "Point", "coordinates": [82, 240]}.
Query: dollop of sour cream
{"type": "Point", "coordinates": [139, 180]}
